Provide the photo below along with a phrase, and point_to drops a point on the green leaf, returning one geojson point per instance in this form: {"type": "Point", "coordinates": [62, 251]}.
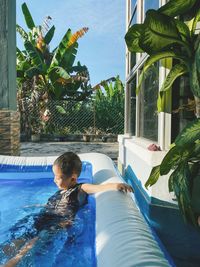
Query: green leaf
{"type": "Point", "coordinates": [58, 72]}
{"type": "Point", "coordinates": [33, 71]}
{"type": "Point", "coordinates": [61, 49]}
{"type": "Point", "coordinates": [61, 110]}
{"type": "Point", "coordinates": [151, 60]}
{"type": "Point", "coordinates": [35, 56]}
{"type": "Point", "coordinates": [133, 36]}
{"type": "Point", "coordinates": [164, 103]}
{"type": "Point", "coordinates": [196, 19]}
{"type": "Point", "coordinates": [177, 7]}
{"type": "Point", "coordinates": [181, 188]}
{"type": "Point", "coordinates": [20, 55]}
{"type": "Point", "coordinates": [48, 37]}
{"type": "Point", "coordinates": [171, 183]}
{"type": "Point", "coordinates": [189, 134]}
{"type": "Point", "coordinates": [22, 32]}
{"type": "Point", "coordinates": [174, 157]}
{"type": "Point", "coordinates": [175, 72]}
{"type": "Point", "coordinates": [69, 56]}
{"type": "Point", "coordinates": [28, 18]}
{"type": "Point", "coordinates": [160, 32]}
{"type": "Point", "coordinates": [154, 175]}
{"type": "Point", "coordinates": [183, 30]}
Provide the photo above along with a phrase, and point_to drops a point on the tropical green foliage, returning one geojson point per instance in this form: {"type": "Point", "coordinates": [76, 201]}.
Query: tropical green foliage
{"type": "Point", "coordinates": [55, 70]}
{"type": "Point", "coordinates": [109, 105]}
{"type": "Point", "coordinates": [48, 74]}
{"type": "Point", "coordinates": [165, 35]}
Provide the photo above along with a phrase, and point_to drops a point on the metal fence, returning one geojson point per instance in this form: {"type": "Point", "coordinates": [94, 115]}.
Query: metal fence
{"type": "Point", "coordinates": [71, 117]}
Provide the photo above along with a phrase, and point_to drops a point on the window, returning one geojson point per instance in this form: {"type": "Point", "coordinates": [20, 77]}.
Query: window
{"type": "Point", "coordinates": [132, 22]}
{"type": "Point", "coordinates": [148, 104]}
{"type": "Point", "coordinates": [181, 112]}
{"type": "Point", "coordinates": [133, 6]}
{"type": "Point", "coordinates": [133, 105]}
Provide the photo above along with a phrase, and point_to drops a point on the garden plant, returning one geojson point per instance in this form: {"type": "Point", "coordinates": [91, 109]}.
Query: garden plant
{"type": "Point", "coordinates": [171, 32]}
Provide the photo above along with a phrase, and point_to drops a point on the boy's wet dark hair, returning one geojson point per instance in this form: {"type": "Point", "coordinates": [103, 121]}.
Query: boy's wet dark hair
{"type": "Point", "coordinates": [69, 163]}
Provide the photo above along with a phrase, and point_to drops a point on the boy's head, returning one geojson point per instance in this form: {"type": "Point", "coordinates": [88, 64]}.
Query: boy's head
{"type": "Point", "coordinates": [67, 168]}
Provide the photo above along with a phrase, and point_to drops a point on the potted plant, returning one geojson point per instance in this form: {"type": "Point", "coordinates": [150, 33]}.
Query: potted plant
{"type": "Point", "coordinates": [165, 35]}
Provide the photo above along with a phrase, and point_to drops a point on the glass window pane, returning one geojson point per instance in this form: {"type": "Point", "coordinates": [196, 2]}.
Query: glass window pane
{"type": "Point", "coordinates": [133, 59]}
{"type": "Point", "coordinates": [148, 104]}
{"type": "Point", "coordinates": [133, 18]}
{"type": "Point", "coordinates": [151, 4]}
{"type": "Point", "coordinates": [133, 3]}
{"type": "Point", "coordinates": [133, 105]}
{"type": "Point", "coordinates": [182, 113]}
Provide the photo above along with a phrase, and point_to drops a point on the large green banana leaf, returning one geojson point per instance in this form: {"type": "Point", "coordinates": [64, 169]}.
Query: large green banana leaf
{"type": "Point", "coordinates": [28, 18]}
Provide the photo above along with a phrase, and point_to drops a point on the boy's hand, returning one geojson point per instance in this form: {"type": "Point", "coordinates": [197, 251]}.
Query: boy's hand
{"type": "Point", "coordinates": [124, 187]}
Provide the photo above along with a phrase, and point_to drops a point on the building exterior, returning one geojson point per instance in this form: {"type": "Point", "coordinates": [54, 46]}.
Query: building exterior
{"type": "Point", "coordinates": [143, 124]}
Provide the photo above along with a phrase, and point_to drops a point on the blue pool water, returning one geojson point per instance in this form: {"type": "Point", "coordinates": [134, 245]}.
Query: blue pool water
{"type": "Point", "coordinates": [24, 186]}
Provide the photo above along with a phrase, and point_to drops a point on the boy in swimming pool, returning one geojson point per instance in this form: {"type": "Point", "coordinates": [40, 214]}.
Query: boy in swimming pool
{"type": "Point", "coordinates": [61, 208]}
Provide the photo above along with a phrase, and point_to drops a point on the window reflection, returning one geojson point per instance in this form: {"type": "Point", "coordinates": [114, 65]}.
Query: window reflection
{"type": "Point", "coordinates": [148, 104]}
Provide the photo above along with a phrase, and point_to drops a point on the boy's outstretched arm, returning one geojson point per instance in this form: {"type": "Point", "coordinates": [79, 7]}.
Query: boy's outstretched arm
{"type": "Point", "coordinates": [92, 188]}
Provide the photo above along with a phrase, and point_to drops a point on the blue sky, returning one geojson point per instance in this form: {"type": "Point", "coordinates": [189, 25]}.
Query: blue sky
{"type": "Point", "coordinates": [102, 49]}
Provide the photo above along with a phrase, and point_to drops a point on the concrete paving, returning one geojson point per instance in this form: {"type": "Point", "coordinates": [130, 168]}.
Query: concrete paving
{"type": "Point", "coordinates": [57, 148]}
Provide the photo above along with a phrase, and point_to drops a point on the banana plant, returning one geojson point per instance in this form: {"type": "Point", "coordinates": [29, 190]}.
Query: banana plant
{"type": "Point", "coordinates": [55, 71]}
{"type": "Point", "coordinates": [165, 35]}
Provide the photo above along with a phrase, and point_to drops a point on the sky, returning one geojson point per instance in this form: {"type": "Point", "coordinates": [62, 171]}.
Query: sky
{"type": "Point", "coordinates": [102, 48]}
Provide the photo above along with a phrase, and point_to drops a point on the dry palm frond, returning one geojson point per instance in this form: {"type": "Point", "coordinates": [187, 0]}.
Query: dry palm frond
{"type": "Point", "coordinates": [102, 83]}
{"type": "Point", "coordinates": [74, 78]}
{"type": "Point", "coordinates": [46, 25]}
{"type": "Point", "coordinates": [77, 35]}
{"type": "Point", "coordinates": [40, 43]}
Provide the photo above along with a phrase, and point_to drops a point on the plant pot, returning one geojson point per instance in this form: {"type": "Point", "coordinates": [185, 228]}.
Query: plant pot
{"type": "Point", "coordinates": [35, 137]}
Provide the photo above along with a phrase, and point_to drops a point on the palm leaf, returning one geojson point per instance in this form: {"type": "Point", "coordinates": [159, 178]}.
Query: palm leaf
{"type": "Point", "coordinates": [35, 56]}
{"type": "Point", "coordinates": [48, 37]}
{"type": "Point", "coordinates": [28, 18]}
{"type": "Point", "coordinates": [190, 134]}
{"type": "Point", "coordinates": [22, 32]}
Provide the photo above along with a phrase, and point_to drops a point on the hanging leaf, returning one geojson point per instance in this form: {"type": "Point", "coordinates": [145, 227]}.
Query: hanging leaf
{"type": "Point", "coordinates": [189, 134]}
{"type": "Point", "coordinates": [181, 189]}
{"type": "Point", "coordinates": [133, 36]}
{"type": "Point", "coordinates": [174, 157]}
{"type": "Point", "coordinates": [175, 72]}
{"type": "Point", "coordinates": [150, 61]}
{"type": "Point", "coordinates": [154, 176]}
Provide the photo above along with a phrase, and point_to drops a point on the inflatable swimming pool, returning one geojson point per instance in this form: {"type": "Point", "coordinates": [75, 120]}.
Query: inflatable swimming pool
{"type": "Point", "coordinates": [122, 236]}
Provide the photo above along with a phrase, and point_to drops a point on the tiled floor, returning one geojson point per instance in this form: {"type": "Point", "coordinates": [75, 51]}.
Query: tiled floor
{"type": "Point", "coordinates": [57, 148]}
